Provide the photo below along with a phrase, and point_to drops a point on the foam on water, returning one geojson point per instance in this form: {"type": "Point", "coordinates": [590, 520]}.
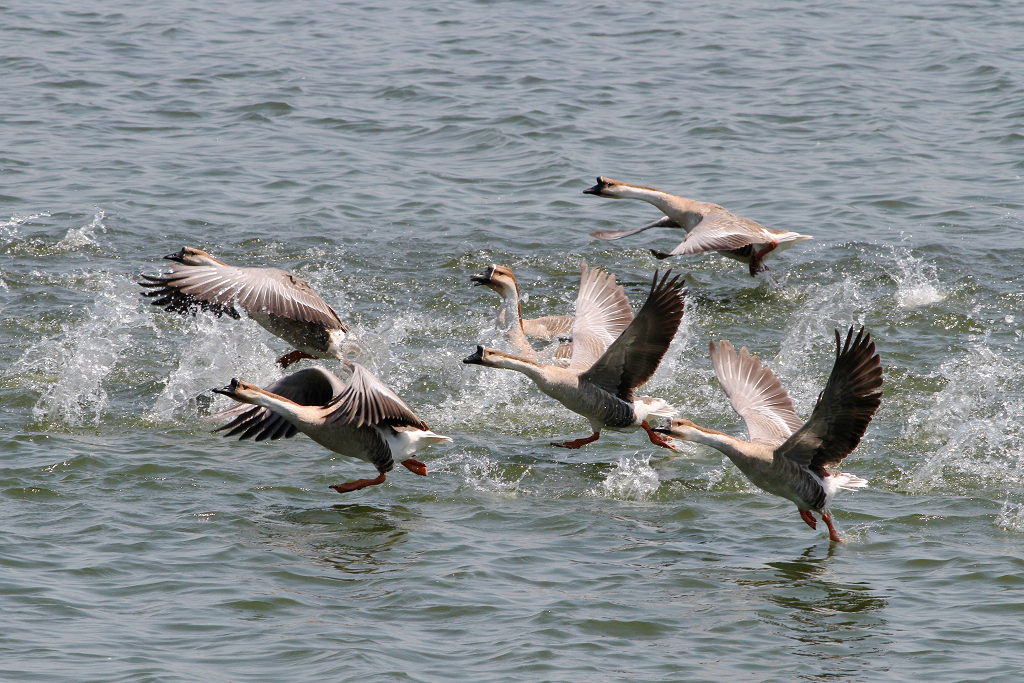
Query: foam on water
{"type": "Point", "coordinates": [917, 282]}
{"type": "Point", "coordinates": [9, 228]}
{"type": "Point", "coordinates": [632, 479]}
{"type": "Point", "coordinates": [482, 473]}
{"type": "Point", "coordinates": [210, 352]}
{"type": "Point", "coordinates": [69, 369]}
{"type": "Point", "coordinates": [974, 425]}
{"type": "Point", "coordinates": [77, 239]}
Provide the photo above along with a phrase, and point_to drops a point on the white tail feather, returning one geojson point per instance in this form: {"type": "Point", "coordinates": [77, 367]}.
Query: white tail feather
{"type": "Point", "coordinates": [646, 406]}
{"type": "Point", "coordinates": [848, 482]}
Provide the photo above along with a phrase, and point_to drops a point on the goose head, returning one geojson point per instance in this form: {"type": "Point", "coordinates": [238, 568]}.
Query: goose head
{"type": "Point", "coordinates": [190, 256]}
{"type": "Point", "coordinates": [606, 187]}
{"type": "Point", "coordinates": [498, 278]}
{"type": "Point", "coordinates": [493, 358]}
{"type": "Point", "coordinates": [680, 428]}
{"type": "Point", "coordinates": [242, 392]}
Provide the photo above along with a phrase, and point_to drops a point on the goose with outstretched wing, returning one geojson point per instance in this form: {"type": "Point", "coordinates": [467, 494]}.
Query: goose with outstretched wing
{"type": "Point", "coordinates": [785, 456]}
{"type": "Point", "coordinates": [362, 419]}
{"type": "Point", "coordinates": [283, 304]}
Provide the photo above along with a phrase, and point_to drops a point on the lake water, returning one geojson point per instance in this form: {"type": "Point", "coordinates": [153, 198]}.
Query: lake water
{"type": "Point", "coordinates": [386, 154]}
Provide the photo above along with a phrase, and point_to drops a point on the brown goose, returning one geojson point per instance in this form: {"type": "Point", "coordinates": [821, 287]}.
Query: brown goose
{"type": "Point", "coordinates": [784, 456]}
{"type": "Point", "coordinates": [613, 354]}
{"type": "Point", "coordinates": [510, 316]}
{"type": "Point", "coordinates": [284, 305]}
{"type": "Point", "coordinates": [709, 226]}
{"type": "Point", "coordinates": [363, 419]}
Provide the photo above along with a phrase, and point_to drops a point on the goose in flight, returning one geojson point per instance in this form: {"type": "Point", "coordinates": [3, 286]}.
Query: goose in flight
{"type": "Point", "coordinates": [284, 305]}
{"type": "Point", "coordinates": [363, 419]}
{"type": "Point", "coordinates": [709, 226]}
{"type": "Point", "coordinates": [785, 456]}
{"type": "Point", "coordinates": [613, 353]}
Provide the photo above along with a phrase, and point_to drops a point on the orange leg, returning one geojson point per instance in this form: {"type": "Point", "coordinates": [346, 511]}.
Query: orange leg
{"type": "Point", "coordinates": [579, 442]}
{"type": "Point", "coordinates": [755, 261]}
{"type": "Point", "coordinates": [293, 357]}
{"type": "Point", "coordinates": [358, 484]}
{"type": "Point", "coordinates": [658, 439]}
{"type": "Point", "coordinates": [416, 467]}
{"type": "Point", "coordinates": [809, 519]}
{"type": "Point", "coordinates": [832, 535]}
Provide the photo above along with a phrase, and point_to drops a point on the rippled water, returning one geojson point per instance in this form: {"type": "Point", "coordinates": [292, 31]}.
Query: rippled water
{"type": "Point", "coordinates": [385, 154]}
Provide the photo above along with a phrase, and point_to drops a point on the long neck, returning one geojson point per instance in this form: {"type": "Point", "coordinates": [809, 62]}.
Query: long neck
{"type": "Point", "coordinates": [735, 448]}
{"type": "Point", "coordinates": [685, 212]}
{"type": "Point", "coordinates": [291, 411]}
{"type": "Point", "coordinates": [510, 321]}
{"type": "Point", "coordinates": [507, 361]}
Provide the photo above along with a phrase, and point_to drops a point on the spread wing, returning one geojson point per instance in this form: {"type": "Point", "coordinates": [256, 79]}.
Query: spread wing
{"type": "Point", "coordinates": [720, 232]}
{"type": "Point", "coordinates": [664, 222]}
{"type": "Point", "coordinates": [602, 313]}
{"type": "Point", "coordinates": [634, 356]}
{"type": "Point", "coordinates": [308, 387]}
{"type": "Point", "coordinates": [367, 400]}
{"type": "Point", "coordinates": [844, 409]}
{"type": "Point", "coordinates": [256, 290]}
{"type": "Point", "coordinates": [756, 394]}
{"type": "Point", "coordinates": [549, 327]}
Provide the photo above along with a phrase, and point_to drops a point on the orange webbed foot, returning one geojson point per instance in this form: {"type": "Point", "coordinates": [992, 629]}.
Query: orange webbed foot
{"type": "Point", "coordinates": [293, 357]}
{"type": "Point", "coordinates": [576, 443]}
{"type": "Point", "coordinates": [348, 487]}
{"type": "Point", "coordinates": [659, 439]}
{"type": "Point", "coordinates": [809, 519]}
{"type": "Point", "coordinates": [415, 466]}
{"type": "Point", "coordinates": [832, 535]}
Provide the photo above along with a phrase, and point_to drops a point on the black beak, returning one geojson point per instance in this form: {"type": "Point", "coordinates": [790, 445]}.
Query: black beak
{"type": "Point", "coordinates": [477, 358]}
{"type": "Point", "coordinates": [178, 256]}
{"type": "Point", "coordinates": [596, 189]}
{"type": "Point", "coordinates": [662, 430]}
{"type": "Point", "coordinates": [483, 278]}
{"type": "Point", "coordinates": [229, 390]}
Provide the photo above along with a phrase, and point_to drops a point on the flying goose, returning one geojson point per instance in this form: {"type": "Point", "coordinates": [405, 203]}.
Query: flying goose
{"type": "Point", "coordinates": [709, 226]}
{"type": "Point", "coordinates": [613, 354]}
{"type": "Point", "coordinates": [510, 316]}
{"type": "Point", "coordinates": [363, 419]}
{"type": "Point", "coordinates": [785, 456]}
{"type": "Point", "coordinates": [284, 305]}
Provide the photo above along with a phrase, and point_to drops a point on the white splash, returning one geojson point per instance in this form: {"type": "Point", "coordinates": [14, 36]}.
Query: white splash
{"type": "Point", "coordinates": [9, 228]}
{"type": "Point", "coordinates": [917, 283]}
{"type": "Point", "coordinates": [81, 358]}
{"type": "Point", "coordinates": [213, 351]}
{"type": "Point", "coordinates": [1011, 517]}
{"type": "Point", "coordinates": [973, 424]}
{"type": "Point", "coordinates": [632, 479]}
{"type": "Point", "coordinates": [480, 472]}
{"type": "Point", "coordinates": [85, 236]}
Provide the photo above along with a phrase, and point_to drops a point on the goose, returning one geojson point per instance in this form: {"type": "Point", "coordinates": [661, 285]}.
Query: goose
{"type": "Point", "coordinates": [363, 419]}
{"type": "Point", "coordinates": [709, 226]}
{"type": "Point", "coordinates": [510, 316]}
{"type": "Point", "coordinates": [784, 456]}
{"type": "Point", "coordinates": [613, 354]}
{"type": "Point", "coordinates": [283, 304]}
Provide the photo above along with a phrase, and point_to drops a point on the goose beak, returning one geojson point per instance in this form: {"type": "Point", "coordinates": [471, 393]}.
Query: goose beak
{"type": "Point", "coordinates": [662, 430]}
{"type": "Point", "coordinates": [229, 390]}
{"type": "Point", "coordinates": [596, 189]}
{"type": "Point", "coordinates": [477, 358]}
{"type": "Point", "coordinates": [483, 278]}
{"type": "Point", "coordinates": [178, 256]}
